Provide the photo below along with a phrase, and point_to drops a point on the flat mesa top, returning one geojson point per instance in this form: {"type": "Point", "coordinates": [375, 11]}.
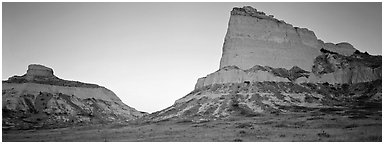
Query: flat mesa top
{"type": "Point", "coordinates": [250, 11]}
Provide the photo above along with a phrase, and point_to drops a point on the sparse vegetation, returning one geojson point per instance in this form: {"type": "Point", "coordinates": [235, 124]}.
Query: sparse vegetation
{"type": "Point", "coordinates": [315, 118]}
{"type": "Point", "coordinates": [241, 119]}
{"type": "Point", "coordinates": [282, 125]}
{"type": "Point", "coordinates": [242, 132]}
{"type": "Point", "coordinates": [244, 125]}
{"type": "Point", "coordinates": [183, 121]}
{"type": "Point", "coordinates": [371, 138]}
{"type": "Point", "coordinates": [237, 140]}
{"type": "Point", "coordinates": [323, 134]}
{"type": "Point", "coordinates": [351, 126]}
{"type": "Point", "coordinates": [285, 127]}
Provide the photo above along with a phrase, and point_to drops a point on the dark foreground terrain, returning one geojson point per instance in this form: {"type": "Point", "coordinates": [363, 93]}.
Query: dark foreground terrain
{"type": "Point", "coordinates": [363, 124]}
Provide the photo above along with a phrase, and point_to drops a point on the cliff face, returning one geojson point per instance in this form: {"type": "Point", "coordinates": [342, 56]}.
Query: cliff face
{"type": "Point", "coordinates": [38, 70]}
{"type": "Point", "coordinates": [40, 99]}
{"type": "Point", "coordinates": [269, 66]}
{"type": "Point", "coordinates": [254, 38]}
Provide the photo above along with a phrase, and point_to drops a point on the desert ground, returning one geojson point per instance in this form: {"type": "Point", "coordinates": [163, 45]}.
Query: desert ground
{"type": "Point", "coordinates": [305, 125]}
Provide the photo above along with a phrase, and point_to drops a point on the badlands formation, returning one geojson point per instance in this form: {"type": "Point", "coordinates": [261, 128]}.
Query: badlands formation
{"type": "Point", "coordinates": [276, 82]}
{"type": "Point", "coordinates": [269, 66]}
{"type": "Point", "coordinates": [254, 38]}
{"type": "Point", "coordinates": [40, 99]}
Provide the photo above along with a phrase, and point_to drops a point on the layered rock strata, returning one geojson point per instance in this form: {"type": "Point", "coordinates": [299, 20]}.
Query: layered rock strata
{"type": "Point", "coordinates": [331, 67]}
{"type": "Point", "coordinates": [35, 70]}
{"type": "Point", "coordinates": [40, 99]}
{"type": "Point", "coordinates": [223, 101]}
{"type": "Point", "coordinates": [269, 66]}
{"type": "Point", "coordinates": [233, 74]}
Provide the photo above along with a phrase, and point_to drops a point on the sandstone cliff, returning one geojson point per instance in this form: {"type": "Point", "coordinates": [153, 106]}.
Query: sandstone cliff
{"type": "Point", "coordinates": [269, 66]}
{"type": "Point", "coordinates": [253, 38]}
{"type": "Point", "coordinates": [35, 70]}
{"type": "Point", "coordinates": [40, 99]}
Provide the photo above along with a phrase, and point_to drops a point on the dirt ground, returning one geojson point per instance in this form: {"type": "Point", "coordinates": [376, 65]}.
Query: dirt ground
{"type": "Point", "coordinates": [313, 126]}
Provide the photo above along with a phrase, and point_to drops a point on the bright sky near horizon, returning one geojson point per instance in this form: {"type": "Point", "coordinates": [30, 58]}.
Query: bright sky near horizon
{"type": "Point", "coordinates": [151, 54]}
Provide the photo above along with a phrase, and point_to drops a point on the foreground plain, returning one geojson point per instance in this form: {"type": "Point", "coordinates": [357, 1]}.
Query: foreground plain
{"type": "Point", "coordinates": [309, 126]}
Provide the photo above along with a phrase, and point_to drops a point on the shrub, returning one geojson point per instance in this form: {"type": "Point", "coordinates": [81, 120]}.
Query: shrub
{"type": "Point", "coordinates": [323, 134]}
{"type": "Point", "coordinates": [237, 140]}
{"type": "Point", "coordinates": [244, 125]}
{"type": "Point", "coordinates": [351, 126]}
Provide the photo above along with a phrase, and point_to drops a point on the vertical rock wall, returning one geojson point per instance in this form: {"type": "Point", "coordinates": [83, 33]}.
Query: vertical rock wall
{"type": "Point", "coordinates": [38, 70]}
{"type": "Point", "coordinates": [254, 38]}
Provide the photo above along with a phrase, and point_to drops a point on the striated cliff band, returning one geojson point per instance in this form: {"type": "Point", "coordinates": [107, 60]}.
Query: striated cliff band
{"type": "Point", "coordinates": [40, 99]}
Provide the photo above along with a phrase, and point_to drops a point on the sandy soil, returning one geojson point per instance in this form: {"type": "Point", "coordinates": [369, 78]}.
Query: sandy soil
{"type": "Point", "coordinates": [311, 126]}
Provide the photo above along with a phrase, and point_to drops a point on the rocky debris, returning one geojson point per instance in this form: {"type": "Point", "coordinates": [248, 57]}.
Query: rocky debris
{"type": "Point", "coordinates": [233, 74]}
{"type": "Point", "coordinates": [292, 74]}
{"type": "Point", "coordinates": [81, 92]}
{"type": "Point", "coordinates": [40, 99]}
{"type": "Point", "coordinates": [221, 101]}
{"type": "Point", "coordinates": [334, 68]}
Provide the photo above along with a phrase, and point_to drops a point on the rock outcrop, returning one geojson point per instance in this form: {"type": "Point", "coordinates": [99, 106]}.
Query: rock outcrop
{"type": "Point", "coordinates": [233, 74]}
{"type": "Point", "coordinates": [223, 101]}
{"type": "Point", "coordinates": [342, 48]}
{"type": "Point", "coordinates": [334, 68]}
{"type": "Point", "coordinates": [35, 70]}
{"type": "Point", "coordinates": [254, 38]}
{"type": "Point", "coordinates": [40, 99]}
{"type": "Point", "coordinates": [269, 66]}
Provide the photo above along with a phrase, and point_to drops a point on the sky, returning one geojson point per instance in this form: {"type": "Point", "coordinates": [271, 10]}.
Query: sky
{"type": "Point", "coordinates": [151, 54]}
